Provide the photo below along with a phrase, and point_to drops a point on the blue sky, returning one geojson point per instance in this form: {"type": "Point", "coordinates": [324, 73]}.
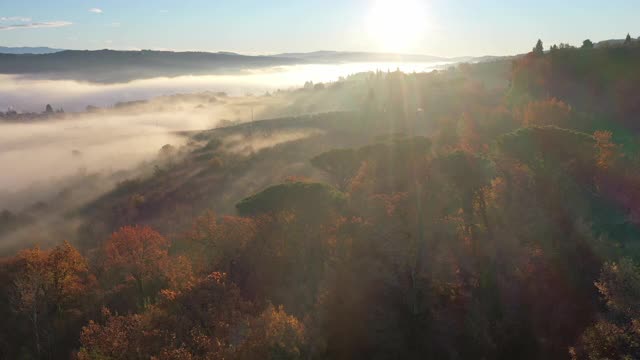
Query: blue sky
{"type": "Point", "coordinates": [446, 27]}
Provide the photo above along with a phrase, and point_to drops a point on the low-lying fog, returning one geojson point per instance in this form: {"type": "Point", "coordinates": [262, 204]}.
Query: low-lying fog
{"type": "Point", "coordinates": [113, 139]}
{"type": "Point", "coordinates": [31, 94]}
{"type": "Point", "coordinates": [34, 154]}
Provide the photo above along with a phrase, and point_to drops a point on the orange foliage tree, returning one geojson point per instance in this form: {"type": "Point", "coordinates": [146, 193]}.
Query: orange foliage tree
{"type": "Point", "coordinates": [215, 243]}
{"type": "Point", "coordinates": [47, 288]}
{"type": "Point", "coordinates": [137, 253]}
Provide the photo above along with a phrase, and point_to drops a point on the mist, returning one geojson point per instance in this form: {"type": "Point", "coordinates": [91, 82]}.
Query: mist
{"type": "Point", "coordinates": [128, 123]}
{"type": "Point", "coordinates": [31, 93]}
{"type": "Point", "coordinates": [114, 139]}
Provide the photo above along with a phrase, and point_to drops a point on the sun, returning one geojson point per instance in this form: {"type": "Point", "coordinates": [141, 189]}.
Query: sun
{"type": "Point", "coordinates": [397, 25]}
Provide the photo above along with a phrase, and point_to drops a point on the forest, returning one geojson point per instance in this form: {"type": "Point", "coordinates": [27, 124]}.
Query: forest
{"type": "Point", "coordinates": [486, 211]}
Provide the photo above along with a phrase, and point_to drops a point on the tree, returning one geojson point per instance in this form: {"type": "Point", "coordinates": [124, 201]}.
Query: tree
{"type": "Point", "coordinates": [619, 284]}
{"type": "Point", "coordinates": [341, 164]}
{"type": "Point", "coordinates": [627, 41]}
{"type": "Point", "coordinates": [548, 149]}
{"type": "Point", "coordinates": [47, 289]}
{"type": "Point", "coordinates": [49, 109]}
{"type": "Point", "coordinates": [539, 48]}
{"type": "Point", "coordinates": [138, 253]}
{"type": "Point", "coordinates": [587, 44]}
{"type": "Point", "coordinates": [617, 334]}
{"type": "Point", "coordinates": [209, 320]}
{"type": "Point", "coordinates": [546, 112]}
{"type": "Point", "coordinates": [561, 165]}
{"type": "Point", "coordinates": [275, 335]}
{"type": "Point", "coordinates": [607, 149]}
{"type": "Point", "coordinates": [469, 174]}
{"type": "Point", "coordinates": [122, 337]}
{"type": "Point", "coordinates": [216, 243]}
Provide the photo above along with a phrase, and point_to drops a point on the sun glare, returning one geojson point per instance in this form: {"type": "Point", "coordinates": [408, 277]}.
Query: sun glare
{"type": "Point", "coordinates": [397, 25]}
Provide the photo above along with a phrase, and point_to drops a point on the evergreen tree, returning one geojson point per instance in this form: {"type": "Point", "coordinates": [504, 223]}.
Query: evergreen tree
{"type": "Point", "coordinates": [627, 41]}
{"type": "Point", "coordinates": [587, 44]}
{"type": "Point", "coordinates": [539, 49]}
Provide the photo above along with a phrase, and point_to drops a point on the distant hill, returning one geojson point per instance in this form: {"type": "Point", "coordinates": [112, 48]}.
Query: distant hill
{"type": "Point", "coordinates": [613, 42]}
{"type": "Point", "coordinates": [28, 50]}
{"type": "Point", "coordinates": [109, 66]}
{"type": "Point", "coordinates": [346, 57]}
{"type": "Point", "coordinates": [117, 66]}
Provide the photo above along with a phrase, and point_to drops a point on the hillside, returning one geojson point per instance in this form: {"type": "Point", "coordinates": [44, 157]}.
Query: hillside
{"type": "Point", "coordinates": [487, 211]}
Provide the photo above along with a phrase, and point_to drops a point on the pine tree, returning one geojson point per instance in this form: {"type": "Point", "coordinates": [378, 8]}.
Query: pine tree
{"type": "Point", "coordinates": [627, 41]}
{"type": "Point", "coordinates": [539, 49]}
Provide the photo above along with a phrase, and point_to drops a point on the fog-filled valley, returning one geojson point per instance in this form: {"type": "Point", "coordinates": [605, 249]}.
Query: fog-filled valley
{"type": "Point", "coordinates": [61, 160]}
{"type": "Point", "coordinates": [116, 126]}
{"type": "Point", "coordinates": [30, 92]}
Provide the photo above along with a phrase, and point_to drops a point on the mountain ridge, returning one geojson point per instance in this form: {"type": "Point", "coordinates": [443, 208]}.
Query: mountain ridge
{"type": "Point", "coordinates": [28, 50]}
{"type": "Point", "coordinates": [108, 66]}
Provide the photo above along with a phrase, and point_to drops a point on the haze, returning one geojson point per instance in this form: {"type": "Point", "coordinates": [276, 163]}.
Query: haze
{"type": "Point", "coordinates": [306, 179]}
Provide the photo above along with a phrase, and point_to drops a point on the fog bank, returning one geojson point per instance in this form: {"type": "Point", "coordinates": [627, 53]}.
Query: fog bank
{"type": "Point", "coordinates": [28, 93]}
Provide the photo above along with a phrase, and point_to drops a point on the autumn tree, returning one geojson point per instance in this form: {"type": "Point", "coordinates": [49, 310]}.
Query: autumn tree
{"type": "Point", "coordinates": [46, 290]}
{"type": "Point", "coordinates": [617, 335]}
{"type": "Point", "coordinates": [123, 337]}
{"type": "Point", "coordinates": [140, 254]}
{"type": "Point", "coordinates": [469, 174]}
{"type": "Point", "coordinates": [546, 112]}
{"type": "Point", "coordinates": [206, 321]}
{"type": "Point", "coordinates": [607, 150]}
{"type": "Point", "coordinates": [274, 335]}
{"type": "Point", "coordinates": [531, 76]}
{"type": "Point", "coordinates": [216, 243]}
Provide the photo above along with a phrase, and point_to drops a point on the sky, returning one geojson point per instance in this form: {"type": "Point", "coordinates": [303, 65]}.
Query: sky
{"type": "Point", "coordinates": [434, 27]}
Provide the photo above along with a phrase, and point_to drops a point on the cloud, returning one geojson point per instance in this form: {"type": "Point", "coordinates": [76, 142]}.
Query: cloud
{"type": "Point", "coordinates": [36, 25]}
{"type": "Point", "coordinates": [96, 10]}
{"type": "Point", "coordinates": [115, 24]}
{"type": "Point", "coordinates": [15, 19]}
